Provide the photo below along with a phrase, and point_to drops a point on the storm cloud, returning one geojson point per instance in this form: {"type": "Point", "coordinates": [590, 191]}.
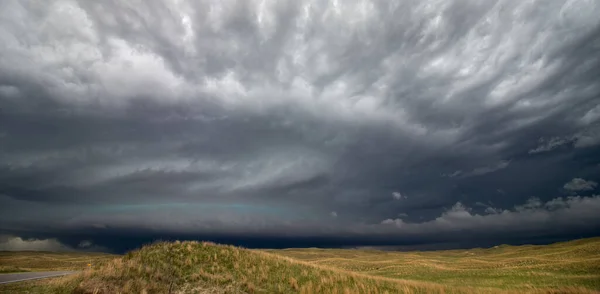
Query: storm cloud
{"type": "Point", "coordinates": [299, 119]}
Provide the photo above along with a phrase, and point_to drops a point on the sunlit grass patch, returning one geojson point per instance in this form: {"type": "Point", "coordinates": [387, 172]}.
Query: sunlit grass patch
{"type": "Point", "coordinates": [575, 263]}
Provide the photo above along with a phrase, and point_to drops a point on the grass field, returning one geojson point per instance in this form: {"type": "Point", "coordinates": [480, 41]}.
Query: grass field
{"type": "Point", "coordinates": [31, 261]}
{"type": "Point", "coordinates": [504, 267]}
{"type": "Point", "coordinates": [193, 267]}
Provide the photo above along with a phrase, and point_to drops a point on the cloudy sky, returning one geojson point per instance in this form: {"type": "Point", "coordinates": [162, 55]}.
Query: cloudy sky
{"type": "Point", "coordinates": [298, 123]}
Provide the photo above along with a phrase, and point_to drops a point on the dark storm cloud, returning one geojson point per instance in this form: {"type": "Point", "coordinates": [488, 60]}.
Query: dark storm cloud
{"type": "Point", "coordinates": [12, 243]}
{"type": "Point", "coordinates": [298, 117]}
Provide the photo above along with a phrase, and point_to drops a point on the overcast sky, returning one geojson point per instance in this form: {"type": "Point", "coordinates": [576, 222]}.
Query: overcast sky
{"type": "Point", "coordinates": [298, 123]}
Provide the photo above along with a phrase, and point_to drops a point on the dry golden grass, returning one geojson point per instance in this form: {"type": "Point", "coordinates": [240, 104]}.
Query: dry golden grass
{"type": "Point", "coordinates": [575, 263]}
{"type": "Point", "coordinates": [194, 267]}
{"type": "Point", "coordinates": [26, 261]}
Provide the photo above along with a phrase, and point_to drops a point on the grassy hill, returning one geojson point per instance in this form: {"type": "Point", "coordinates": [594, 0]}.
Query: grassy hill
{"type": "Point", "coordinates": [194, 267]}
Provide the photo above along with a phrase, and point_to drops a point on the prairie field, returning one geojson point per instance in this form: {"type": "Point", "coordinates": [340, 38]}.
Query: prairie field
{"type": "Point", "coordinates": [575, 263]}
{"type": "Point", "coordinates": [204, 267]}
{"type": "Point", "coordinates": [35, 261]}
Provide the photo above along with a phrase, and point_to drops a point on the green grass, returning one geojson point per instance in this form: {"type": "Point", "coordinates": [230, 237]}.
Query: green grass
{"type": "Point", "coordinates": [194, 267]}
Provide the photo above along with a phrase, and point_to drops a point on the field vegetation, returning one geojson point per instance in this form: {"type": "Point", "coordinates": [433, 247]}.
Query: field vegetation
{"type": "Point", "coordinates": [575, 263]}
{"type": "Point", "coordinates": [35, 261]}
{"type": "Point", "coordinates": [203, 267]}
